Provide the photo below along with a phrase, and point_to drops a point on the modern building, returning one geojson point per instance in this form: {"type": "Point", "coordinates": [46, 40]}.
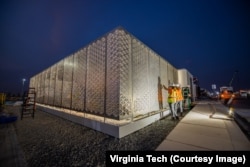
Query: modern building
{"type": "Point", "coordinates": [114, 85]}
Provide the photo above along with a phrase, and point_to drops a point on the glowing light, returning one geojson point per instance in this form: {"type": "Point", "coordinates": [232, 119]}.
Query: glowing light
{"type": "Point", "coordinates": [231, 111]}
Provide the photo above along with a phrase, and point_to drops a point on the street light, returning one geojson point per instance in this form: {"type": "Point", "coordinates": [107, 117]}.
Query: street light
{"type": "Point", "coordinates": [23, 86]}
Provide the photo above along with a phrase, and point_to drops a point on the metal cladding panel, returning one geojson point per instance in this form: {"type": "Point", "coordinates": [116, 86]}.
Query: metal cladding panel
{"type": "Point", "coordinates": [95, 88]}
{"type": "Point", "coordinates": [79, 80]}
{"type": "Point", "coordinates": [140, 78]}
{"type": "Point", "coordinates": [38, 96]}
{"type": "Point", "coordinates": [46, 85]}
{"type": "Point", "coordinates": [125, 108]}
{"type": "Point", "coordinates": [170, 73]}
{"type": "Point", "coordinates": [32, 82]}
{"type": "Point", "coordinates": [59, 82]}
{"type": "Point", "coordinates": [113, 75]}
{"type": "Point", "coordinates": [164, 82]}
{"type": "Point", "coordinates": [37, 85]}
{"type": "Point", "coordinates": [175, 73]}
{"type": "Point", "coordinates": [42, 80]}
{"type": "Point", "coordinates": [118, 89]}
{"type": "Point", "coordinates": [67, 82]}
{"type": "Point", "coordinates": [154, 74]}
{"type": "Point", "coordinates": [52, 85]}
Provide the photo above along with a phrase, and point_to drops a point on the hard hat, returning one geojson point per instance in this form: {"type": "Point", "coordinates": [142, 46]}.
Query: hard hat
{"type": "Point", "coordinates": [178, 85]}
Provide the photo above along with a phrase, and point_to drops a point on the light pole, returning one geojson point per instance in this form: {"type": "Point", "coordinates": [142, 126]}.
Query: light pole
{"type": "Point", "coordinates": [23, 86]}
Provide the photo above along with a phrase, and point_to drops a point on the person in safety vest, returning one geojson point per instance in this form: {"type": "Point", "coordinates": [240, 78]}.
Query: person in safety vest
{"type": "Point", "coordinates": [172, 95]}
{"type": "Point", "coordinates": [179, 99]}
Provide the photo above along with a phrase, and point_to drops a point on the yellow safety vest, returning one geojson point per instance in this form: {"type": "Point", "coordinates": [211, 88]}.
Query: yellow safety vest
{"type": "Point", "coordinates": [179, 95]}
{"type": "Point", "coordinates": [172, 96]}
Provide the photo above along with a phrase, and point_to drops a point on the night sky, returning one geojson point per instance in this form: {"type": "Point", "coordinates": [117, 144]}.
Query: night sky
{"type": "Point", "coordinates": [210, 38]}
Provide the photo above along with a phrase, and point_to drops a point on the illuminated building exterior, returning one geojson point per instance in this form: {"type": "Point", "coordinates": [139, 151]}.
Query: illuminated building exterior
{"type": "Point", "coordinates": [116, 76]}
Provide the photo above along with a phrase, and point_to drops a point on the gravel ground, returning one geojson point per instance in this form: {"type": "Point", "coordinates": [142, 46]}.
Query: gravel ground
{"type": "Point", "coordinates": [48, 140]}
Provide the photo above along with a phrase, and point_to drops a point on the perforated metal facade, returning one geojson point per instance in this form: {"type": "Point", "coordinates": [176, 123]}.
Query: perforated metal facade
{"type": "Point", "coordinates": [116, 76]}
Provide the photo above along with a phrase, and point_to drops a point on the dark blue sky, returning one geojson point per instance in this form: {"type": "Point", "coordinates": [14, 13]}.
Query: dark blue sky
{"type": "Point", "coordinates": [210, 38]}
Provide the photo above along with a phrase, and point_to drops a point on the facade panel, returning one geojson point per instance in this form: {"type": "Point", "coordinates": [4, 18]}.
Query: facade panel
{"type": "Point", "coordinates": [170, 73]}
{"type": "Point", "coordinates": [113, 74]}
{"type": "Point", "coordinates": [96, 77]}
{"type": "Point", "coordinates": [154, 74]}
{"type": "Point", "coordinates": [46, 85]}
{"type": "Point", "coordinates": [43, 90]}
{"type": "Point", "coordinates": [67, 82]}
{"type": "Point", "coordinates": [140, 78]}
{"type": "Point", "coordinates": [163, 81]}
{"type": "Point", "coordinates": [79, 80]}
{"type": "Point", "coordinates": [118, 87]}
{"type": "Point", "coordinates": [59, 84]}
{"type": "Point", "coordinates": [52, 85]}
{"type": "Point", "coordinates": [38, 88]}
{"type": "Point", "coordinates": [32, 82]}
{"type": "Point", "coordinates": [125, 108]}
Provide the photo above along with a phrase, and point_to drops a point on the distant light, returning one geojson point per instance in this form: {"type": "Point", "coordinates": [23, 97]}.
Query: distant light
{"type": "Point", "coordinates": [23, 85]}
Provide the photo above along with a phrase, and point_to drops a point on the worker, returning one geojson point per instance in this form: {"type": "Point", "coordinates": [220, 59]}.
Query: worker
{"type": "Point", "coordinates": [179, 99]}
{"type": "Point", "coordinates": [172, 94]}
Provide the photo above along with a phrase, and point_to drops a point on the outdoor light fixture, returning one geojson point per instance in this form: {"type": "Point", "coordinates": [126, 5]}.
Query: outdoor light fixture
{"type": "Point", "coordinates": [23, 85]}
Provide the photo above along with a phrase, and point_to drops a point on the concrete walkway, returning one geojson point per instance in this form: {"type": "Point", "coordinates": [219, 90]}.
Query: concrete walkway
{"type": "Point", "coordinates": [206, 127]}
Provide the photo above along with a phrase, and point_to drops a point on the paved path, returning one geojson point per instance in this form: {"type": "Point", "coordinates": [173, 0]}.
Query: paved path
{"type": "Point", "coordinates": [206, 127]}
